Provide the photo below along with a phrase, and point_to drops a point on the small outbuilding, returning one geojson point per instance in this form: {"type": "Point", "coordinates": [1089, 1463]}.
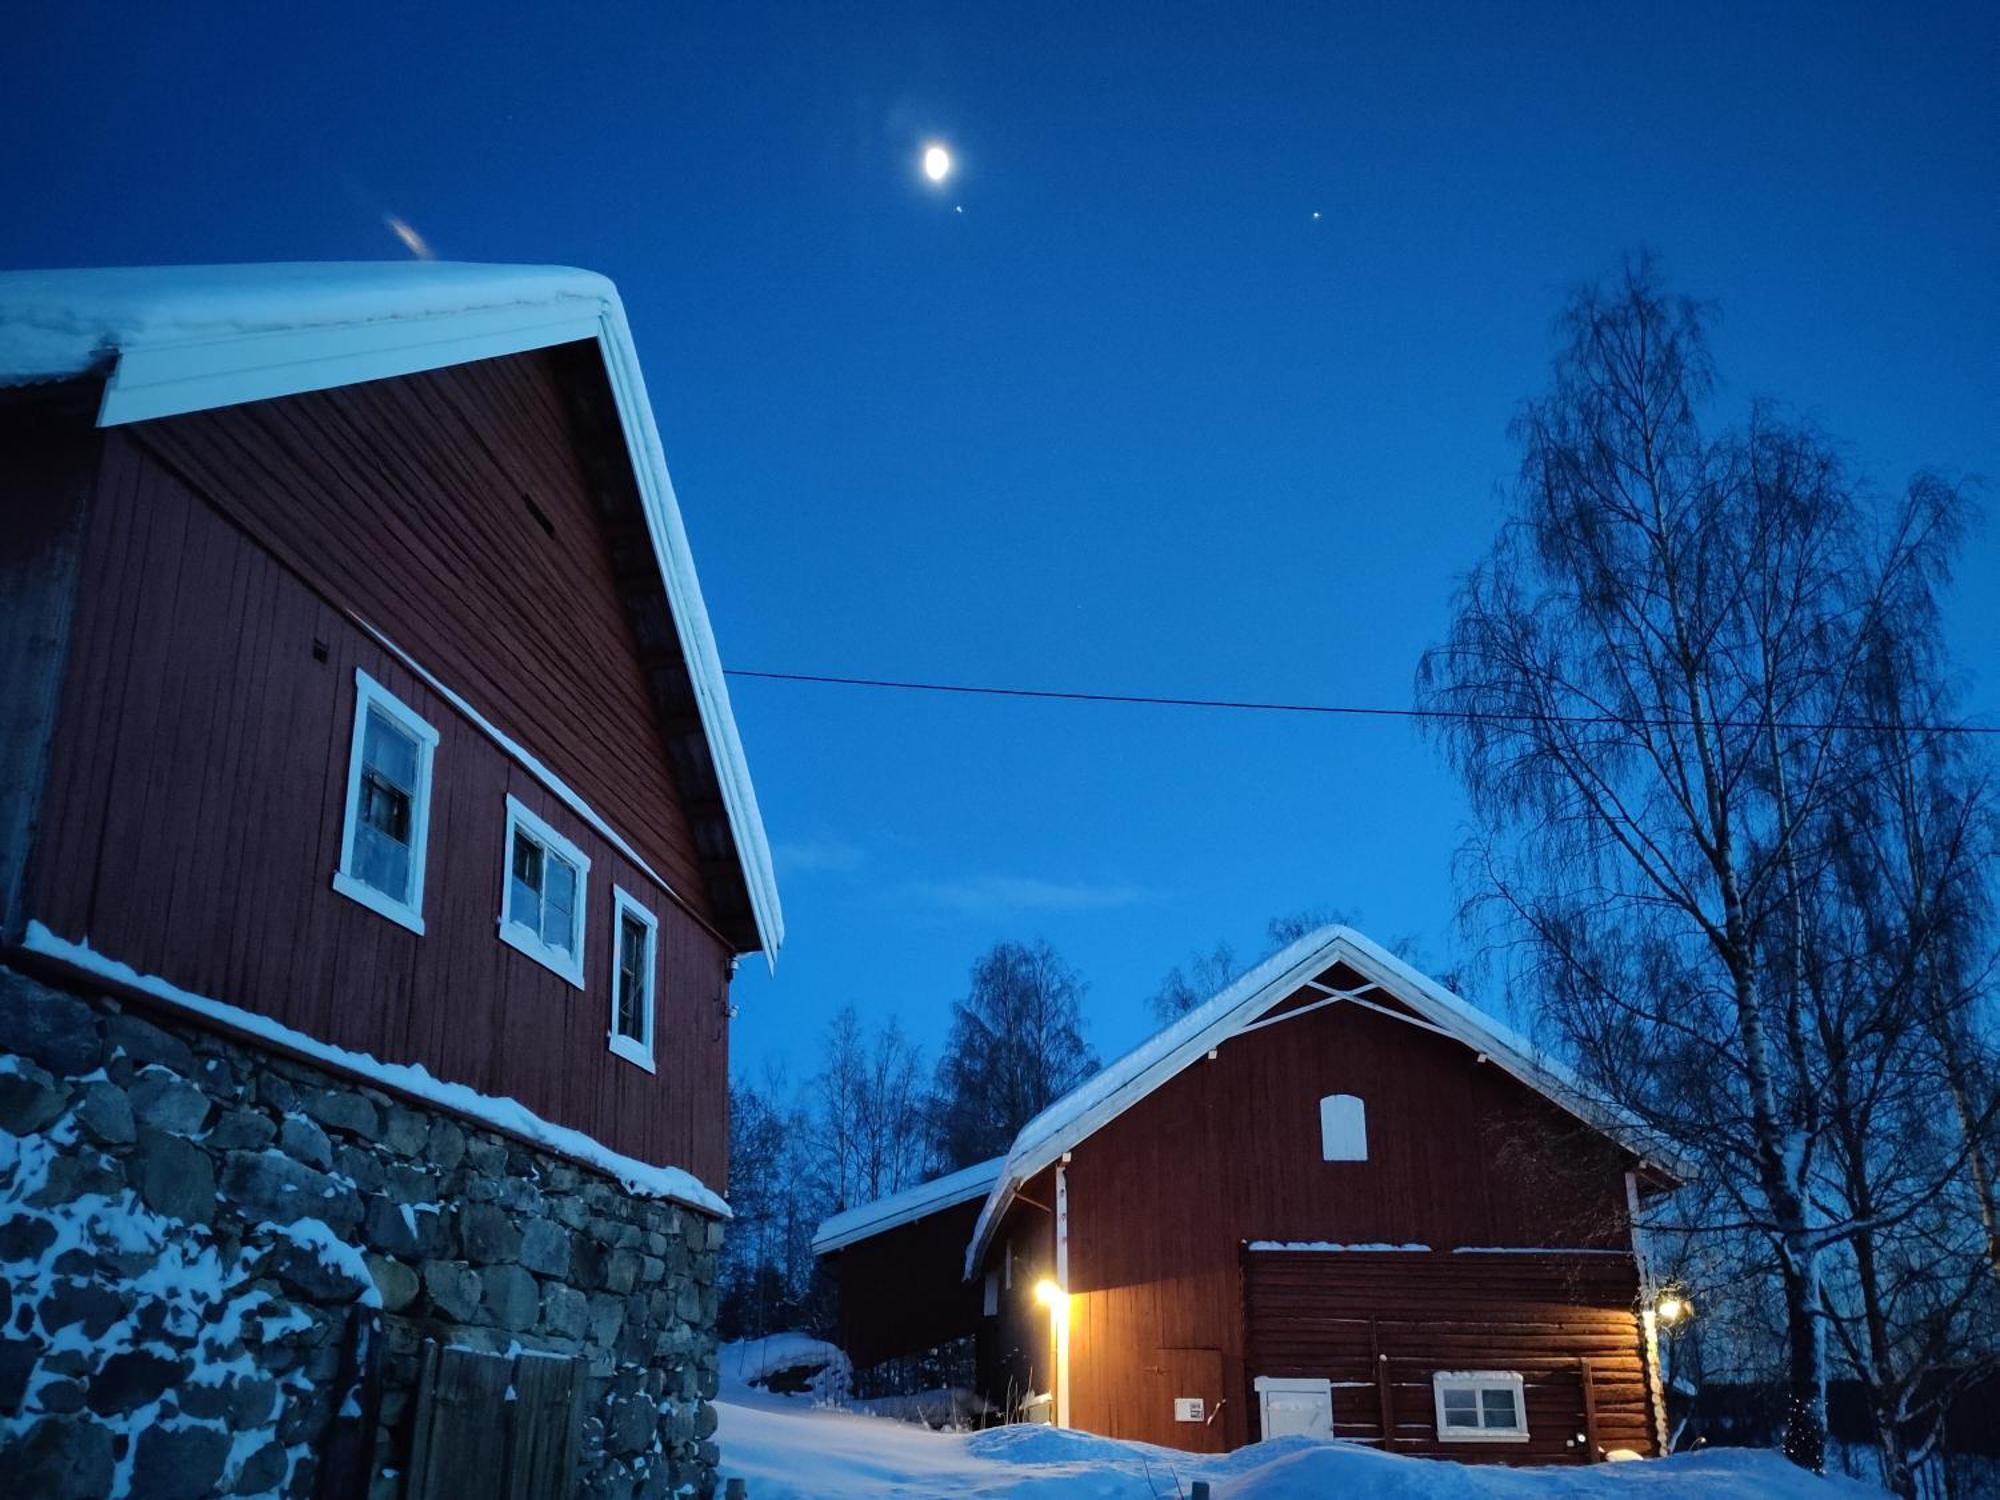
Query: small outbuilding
{"type": "Point", "coordinates": [1334, 1199]}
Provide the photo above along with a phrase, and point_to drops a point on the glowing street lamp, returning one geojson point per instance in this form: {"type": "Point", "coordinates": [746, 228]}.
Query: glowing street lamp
{"type": "Point", "coordinates": [1672, 1308]}
{"type": "Point", "coordinates": [1056, 1300]}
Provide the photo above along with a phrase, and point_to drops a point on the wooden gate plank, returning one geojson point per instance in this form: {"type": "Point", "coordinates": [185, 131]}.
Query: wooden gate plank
{"type": "Point", "coordinates": [541, 1450]}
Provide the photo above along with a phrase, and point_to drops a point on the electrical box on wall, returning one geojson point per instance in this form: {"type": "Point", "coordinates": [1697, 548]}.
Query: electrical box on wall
{"type": "Point", "coordinates": [1189, 1409]}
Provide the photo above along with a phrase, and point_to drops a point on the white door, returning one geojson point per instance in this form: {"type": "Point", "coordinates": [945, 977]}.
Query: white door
{"type": "Point", "coordinates": [1289, 1405]}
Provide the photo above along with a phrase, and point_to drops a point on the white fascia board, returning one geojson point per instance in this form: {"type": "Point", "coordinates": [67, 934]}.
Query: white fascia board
{"type": "Point", "coordinates": [1098, 1100]}
{"type": "Point", "coordinates": [1508, 1050]}
{"type": "Point", "coordinates": [180, 373]}
{"type": "Point", "coordinates": [675, 557]}
{"type": "Point", "coordinates": [870, 1219]}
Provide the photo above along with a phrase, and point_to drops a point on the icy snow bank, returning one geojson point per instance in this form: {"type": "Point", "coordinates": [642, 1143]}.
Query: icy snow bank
{"type": "Point", "coordinates": [820, 1367]}
{"type": "Point", "coordinates": [791, 1450]}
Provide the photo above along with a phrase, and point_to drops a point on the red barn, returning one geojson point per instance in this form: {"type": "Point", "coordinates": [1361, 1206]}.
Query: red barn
{"type": "Point", "coordinates": [366, 736]}
{"type": "Point", "coordinates": [1336, 1199]}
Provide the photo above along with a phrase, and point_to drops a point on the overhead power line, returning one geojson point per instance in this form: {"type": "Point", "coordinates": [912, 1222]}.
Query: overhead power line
{"type": "Point", "coordinates": [1347, 710]}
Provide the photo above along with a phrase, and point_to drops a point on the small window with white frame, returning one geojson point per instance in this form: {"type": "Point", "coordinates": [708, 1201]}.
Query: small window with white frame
{"type": "Point", "coordinates": [542, 904]}
{"type": "Point", "coordinates": [1343, 1128]}
{"type": "Point", "coordinates": [1480, 1406]}
{"type": "Point", "coordinates": [635, 941]}
{"type": "Point", "coordinates": [386, 830]}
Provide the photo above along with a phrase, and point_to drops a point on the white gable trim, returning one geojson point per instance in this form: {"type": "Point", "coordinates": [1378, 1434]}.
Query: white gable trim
{"type": "Point", "coordinates": [1237, 1009]}
{"type": "Point", "coordinates": [906, 1207]}
{"type": "Point", "coordinates": [193, 338]}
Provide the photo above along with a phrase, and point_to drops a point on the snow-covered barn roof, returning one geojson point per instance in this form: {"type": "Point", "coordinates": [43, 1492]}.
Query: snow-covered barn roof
{"type": "Point", "coordinates": [907, 1206]}
{"type": "Point", "coordinates": [1108, 1093]}
{"type": "Point", "coordinates": [177, 339]}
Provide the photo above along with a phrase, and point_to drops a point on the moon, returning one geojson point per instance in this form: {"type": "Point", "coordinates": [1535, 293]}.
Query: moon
{"type": "Point", "coordinates": [937, 163]}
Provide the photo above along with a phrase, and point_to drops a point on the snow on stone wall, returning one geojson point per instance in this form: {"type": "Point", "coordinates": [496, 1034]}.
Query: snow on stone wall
{"type": "Point", "coordinates": [218, 1270]}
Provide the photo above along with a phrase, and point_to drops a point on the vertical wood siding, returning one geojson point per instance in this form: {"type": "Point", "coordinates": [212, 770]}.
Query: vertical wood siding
{"type": "Point", "coordinates": [197, 779]}
{"type": "Point", "coordinates": [903, 1292]}
{"type": "Point", "coordinates": [412, 504]}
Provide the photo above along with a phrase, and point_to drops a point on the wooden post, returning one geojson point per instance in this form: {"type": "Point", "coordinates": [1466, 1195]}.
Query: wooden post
{"type": "Point", "coordinates": [1382, 1395]}
{"type": "Point", "coordinates": [735, 1489]}
{"type": "Point", "coordinates": [1200, 1490]}
{"type": "Point", "coordinates": [1591, 1452]}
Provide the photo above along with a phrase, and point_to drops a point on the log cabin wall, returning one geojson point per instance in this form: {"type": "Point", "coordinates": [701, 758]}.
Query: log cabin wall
{"type": "Point", "coordinates": [193, 811]}
{"type": "Point", "coordinates": [1164, 1196]}
{"type": "Point", "coordinates": [1379, 1326]}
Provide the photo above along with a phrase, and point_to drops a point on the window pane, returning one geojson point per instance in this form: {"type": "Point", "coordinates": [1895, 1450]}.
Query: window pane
{"type": "Point", "coordinates": [381, 861]}
{"type": "Point", "coordinates": [527, 861]}
{"type": "Point", "coordinates": [1461, 1408]}
{"type": "Point", "coordinates": [389, 751]}
{"type": "Point", "coordinates": [524, 905]}
{"type": "Point", "coordinates": [631, 979]}
{"type": "Point", "coordinates": [558, 902]}
{"type": "Point", "coordinates": [524, 891]}
{"type": "Point", "coordinates": [1497, 1403]}
{"type": "Point", "coordinates": [385, 807]}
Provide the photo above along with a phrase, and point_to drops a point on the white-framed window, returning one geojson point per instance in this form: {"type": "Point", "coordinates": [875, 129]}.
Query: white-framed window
{"type": "Point", "coordinates": [1480, 1406]}
{"type": "Point", "coordinates": [1343, 1128]}
{"type": "Point", "coordinates": [542, 893]}
{"type": "Point", "coordinates": [635, 942]}
{"type": "Point", "coordinates": [386, 830]}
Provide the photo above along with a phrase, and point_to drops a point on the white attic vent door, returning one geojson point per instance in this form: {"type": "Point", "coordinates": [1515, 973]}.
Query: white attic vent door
{"type": "Point", "coordinates": [1343, 1128]}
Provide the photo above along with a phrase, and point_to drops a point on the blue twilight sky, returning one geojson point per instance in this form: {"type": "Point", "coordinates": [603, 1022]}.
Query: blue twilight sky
{"type": "Point", "coordinates": [1193, 380]}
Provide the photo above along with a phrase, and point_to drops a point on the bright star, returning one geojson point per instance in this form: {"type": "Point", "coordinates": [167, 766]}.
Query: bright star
{"type": "Point", "coordinates": [937, 163]}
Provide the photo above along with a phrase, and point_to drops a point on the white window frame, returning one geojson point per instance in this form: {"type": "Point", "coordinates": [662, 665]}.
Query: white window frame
{"type": "Point", "coordinates": [523, 819]}
{"type": "Point", "coordinates": [624, 904]}
{"type": "Point", "coordinates": [1477, 1381]}
{"type": "Point", "coordinates": [369, 696]}
{"type": "Point", "coordinates": [1343, 1128]}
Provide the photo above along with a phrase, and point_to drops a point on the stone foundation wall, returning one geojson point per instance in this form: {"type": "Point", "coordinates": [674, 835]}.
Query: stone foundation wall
{"type": "Point", "coordinates": [218, 1270]}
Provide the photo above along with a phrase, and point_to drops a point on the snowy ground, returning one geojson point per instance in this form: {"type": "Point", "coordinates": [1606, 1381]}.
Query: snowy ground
{"type": "Point", "coordinates": [790, 1449]}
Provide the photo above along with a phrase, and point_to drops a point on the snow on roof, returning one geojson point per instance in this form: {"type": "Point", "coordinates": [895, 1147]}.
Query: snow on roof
{"type": "Point", "coordinates": [907, 1206]}
{"type": "Point", "coordinates": [176, 339]}
{"type": "Point", "coordinates": [1109, 1093]}
{"type": "Point", "coordinates": [56, 324]}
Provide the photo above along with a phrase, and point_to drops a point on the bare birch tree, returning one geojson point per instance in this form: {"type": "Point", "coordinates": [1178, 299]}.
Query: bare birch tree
{"type": "Point", "coordinates": [869, 1114]}
{"type": "Point", "coordinates": [1655, 689]}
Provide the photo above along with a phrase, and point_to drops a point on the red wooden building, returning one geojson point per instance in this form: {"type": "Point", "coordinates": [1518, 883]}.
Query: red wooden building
{"type": "Point", "coordinates": [1336, 1199]}
{"type": "Point", "coordinates": [359, 703]}
{"type": "Point", "coordinates": [367, 683]}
